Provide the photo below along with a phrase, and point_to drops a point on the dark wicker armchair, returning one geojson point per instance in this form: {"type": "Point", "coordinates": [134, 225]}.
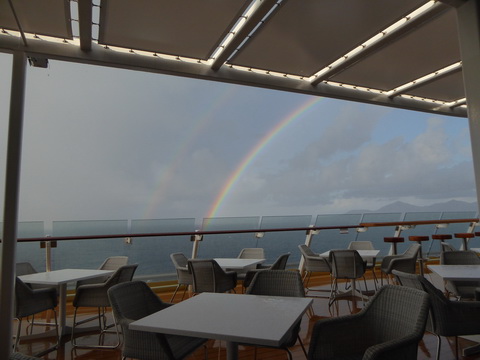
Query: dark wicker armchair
{"type": "Point", "coordinates": [406, 262]}
{"type": "Point", "coordinates": [208, 276]}
{"type": "Point", "coordinates": [134, 300]}
{"type": "Point", "coordinates": [460, 289]}
{"type": "Point", "coordinates": [280, 283]}
{"type": "Point", "coordinates": [279, 264]}
{"type": "Point", "coordinates": [448, 318]}
{"type": "Point", "coordinates": [95, 295]}
{"type": "Point", "coordinates": [388, 328]}
{"type": "Point", "coordinates": [184, 275]}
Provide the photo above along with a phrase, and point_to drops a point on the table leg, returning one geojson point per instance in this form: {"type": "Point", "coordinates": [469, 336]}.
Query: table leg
{"type": "Point", "coordinates": [232, 350]}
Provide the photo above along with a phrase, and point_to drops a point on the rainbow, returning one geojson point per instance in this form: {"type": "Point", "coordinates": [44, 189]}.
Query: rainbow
{"type": "Point", "coordinates": [181, 151]}
{"type": "Point", "coordinates": [247, 160]}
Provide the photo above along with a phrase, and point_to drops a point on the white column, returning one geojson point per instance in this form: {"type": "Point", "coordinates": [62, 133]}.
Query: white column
{"type": "Point", "coordinates": [10, 211]}
{"type": "Point", "coordinates": [469, 38]}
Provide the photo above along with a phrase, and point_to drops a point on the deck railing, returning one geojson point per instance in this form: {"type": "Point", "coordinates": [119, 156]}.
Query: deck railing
{"type": "Point", "coordinates": [155, 247]}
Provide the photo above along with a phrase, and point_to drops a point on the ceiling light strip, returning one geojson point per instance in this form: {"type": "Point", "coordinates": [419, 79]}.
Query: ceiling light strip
{"type": "Point", "coordinates": [395, 30]}
{"type": "Point", "coordinates": [426, 79]}
{"type": "Point", "coordinates": [255, 14]}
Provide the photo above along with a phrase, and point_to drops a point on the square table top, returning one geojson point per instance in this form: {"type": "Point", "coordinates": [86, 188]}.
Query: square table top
{"type": "Point", "coordinates": [362, 253]}
{"type": "Point", "coordinates": [236, 263]}
{"type": "Point", "coordinates": [456, 272]}
{"type": "Point", "coordinates": [59, 277]}
{"type": "Point", "coordinates": [252, 319]}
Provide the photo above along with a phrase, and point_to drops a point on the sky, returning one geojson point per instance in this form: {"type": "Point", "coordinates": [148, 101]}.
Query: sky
{"type": "Point", "coordinates": [103, 144]}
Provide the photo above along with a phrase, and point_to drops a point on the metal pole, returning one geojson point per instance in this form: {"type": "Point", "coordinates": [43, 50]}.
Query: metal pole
{"type": "Point", "coordinates": [469, 38]}
{"type": "Point", "coordinates": [10, 211]}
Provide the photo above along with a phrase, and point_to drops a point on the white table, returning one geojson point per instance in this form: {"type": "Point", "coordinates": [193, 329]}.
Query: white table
{"type": "Point", "coordinates": [61, 278]}
{"type": "Point", "coordinates": [363, 253]}
{"type": "Point", "coordinates": [237, 264]}
{"type": "Point", "coordinates": [456, 272]}
{"type": "Point", "coordinates": [251, 319]}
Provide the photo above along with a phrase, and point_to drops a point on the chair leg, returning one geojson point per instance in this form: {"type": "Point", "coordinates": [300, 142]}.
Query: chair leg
{"type": "Point", "coordinates": [175, 293]}
{"type": "Point", "coordinates": [17, 339]}
{"type": "Point", "coordinates": [439, 346]}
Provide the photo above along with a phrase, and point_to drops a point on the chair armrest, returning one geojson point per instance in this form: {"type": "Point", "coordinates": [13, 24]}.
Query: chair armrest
{"type": "Point", "coordinates": [396, 349]}
{"type": "Point", "coordinates": [330, 340]}
{"type": "Point", "coordinates": [404, 264]}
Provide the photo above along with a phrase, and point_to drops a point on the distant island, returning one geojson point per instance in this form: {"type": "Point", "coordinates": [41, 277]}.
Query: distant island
{"type": "Point", "coordinates": [402, 207]}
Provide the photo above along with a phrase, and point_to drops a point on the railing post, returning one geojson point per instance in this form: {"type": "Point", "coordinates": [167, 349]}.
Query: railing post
{"type": "Point", "coordinates": [196, 242]}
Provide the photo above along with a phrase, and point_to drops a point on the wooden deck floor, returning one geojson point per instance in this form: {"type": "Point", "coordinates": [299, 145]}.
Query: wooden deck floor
{"type": "Point", "coordinates": [216, 350]}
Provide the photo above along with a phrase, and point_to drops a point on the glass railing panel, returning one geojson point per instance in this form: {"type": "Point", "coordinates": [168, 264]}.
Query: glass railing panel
{"type": "Point", "coordinates": [430, 247]}
{"type": "Point", "coordinates": [334, 239]}
{"type": "Point", "coordinates": [227, 245]}
{"type": "Point", "coordinates": [459, 228]}
{"type": "Point", "coordinates": [377, 234]}
{"type": "Point", "coordinates": [153, 253]}
{"type": "Point", "coordinates": [31, 251]}
{"type": "Point", "coordinates": [278, 243]}
{"type": "Point", "coordinates": [87, 254]}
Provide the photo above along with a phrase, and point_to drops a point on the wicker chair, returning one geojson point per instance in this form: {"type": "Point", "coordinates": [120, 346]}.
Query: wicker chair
{"type": "Point", "coordinates": [184, 276]}
{"type": "Point", "coordinates": [29, 302]}
{"type": "Point", "coordinates": [346, 265]}
{"type": "Point", "coordinates": [280, 283]}
{"type": "Point", "coordinates": [371, 261]}
{"type": "Point", "coordinates": [448, 318]}
{"type": "Point", "coordinates": [406, 262]}
{"type": "Point", "coordinates": [208, 276]}
{"type": "Point", "coordinates": [134, 300]}
{"type": "Point", "coordinates": [279, 264]}
{"type": "Point", "coordinates": [460, 289]}
{"type": "Point", "coordinates": [389, 327]}
{"type": "Point", "coordinates": [110, 263]}
{"type": "Point", "coordinates": [95, 295]}
{"type": "Point", "coordinates": [251, 253]}
{"type": "Point", "coordinates": [447, 247]}
{"type": "Point", "coordinates": [314, 263]}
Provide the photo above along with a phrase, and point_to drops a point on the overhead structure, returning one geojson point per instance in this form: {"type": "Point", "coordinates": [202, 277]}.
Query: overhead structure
{"type": "Point", "coordinates": [397, 53]}
{"type": "Point", "coordinates": [411, 54]}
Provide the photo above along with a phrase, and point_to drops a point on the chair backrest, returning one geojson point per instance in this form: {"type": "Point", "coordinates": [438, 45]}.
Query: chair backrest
{"type": "Point", "coordinates": [277, 283]}
{"type": "Point", "coordinates": [133, 300]}
{"type": "Point", "coordinates": [314, 262]}
{"type": "Point", "coordinates": [28, 303]}
{"type": "Point", "coordinates": [347, 264]}
{"type": "Point", "coordinates": [440, 304]}
{"type": "Point", "coordinates": [280, 263]}
{"type": "Point", "coordinates": [122, 274]}
{"type": "Point", "coordinates": [114, 262]}
{"type": "Point", "coordinates": [179, 260]}
{"type": "Point", "coordinates": [459, 258]}
{"type": "Point", "coordinates": [24, 268]}
{"type": "Point", "coordinates": [252, 253]}
{"type": "Point", "coordinates": [447, 247]}
{"type": "Point", "coordinates": [396, 312]}
{"type": "Point", "coordinates": [208, 276]}
{"type": "Point", "coordinates": [412, 251]}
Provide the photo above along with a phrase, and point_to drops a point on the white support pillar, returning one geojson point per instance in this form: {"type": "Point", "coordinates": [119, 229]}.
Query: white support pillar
{"type": "Point", "coordinates": [469, 38]}
{"type": "Point", "coordinates": [10, 211]}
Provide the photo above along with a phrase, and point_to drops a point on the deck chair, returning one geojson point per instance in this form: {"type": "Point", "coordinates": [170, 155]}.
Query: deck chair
{"type": "Point", "coordinates": [134, 300]}
{"type": "Point", "coordinates": [110, 263]}
{"type": "Point", "coordinates": [447, 318]}
{"type": "Point", "coordinates": [29, 302]}
{"type": "Point", "coordinates": [371, 261]}
{"type": "Point", "coordinates": [389, 327]}
{"type": "Point", "coordinates": [460, 289]}
{"type": "Point", "coordinates": [346, 265]}
{"type": "Point", "coordinates": [314, 263]}
{"type": "Point", "coordinates": [95, 295]}
{"type": "Point", "coordinates": [280, 283]}
{"type": "Point", "coordinates": [406, 262]}
{"type": "Point", "coordinates": [184, 275]}
{"type": "Point", "coordinates": [279, 264]}
{"type": "Point", "coordinates": [208, 276]}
